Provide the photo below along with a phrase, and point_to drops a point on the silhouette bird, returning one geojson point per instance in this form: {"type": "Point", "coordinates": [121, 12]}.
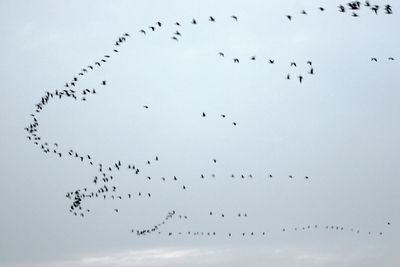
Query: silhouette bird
{"type": "Point", "coordinates": [194, 22]}
{"type": "Point", "coordinates": [375, 9]}
{"type": "Point", "coordinates": [159, 24]}
{"type": "Point", "coordinates": [321, 8]}
{"type": "Point", "coordinates": [289, 17]}
{"type": "Point", "coordinates": [388, 9]}
{"type": "Point", "coordinates": [221, 54]}
{"type": "Point", "coordinates": [103, 83]}
{"type": "Point", "coordinates": [211, 19]}
{"type": "Point", "coordinates": [293, 64]}
{"type": "Point", "coordinates": [235, 60]}
{"type": "Point", "coordinates": [234, 17]}
{"type": "Point", "coordinates": [374, 59]}
{"type": "Point", "coordinates": [203, 115]}
{"type": "Point", "coordinates": [300, 78]}
{"type": "Point", "coordinates": [152, 28]}
{"type": "Point", "coordinates": [143, 31]}
{"type": "Point", "coordinates": [271, 61]}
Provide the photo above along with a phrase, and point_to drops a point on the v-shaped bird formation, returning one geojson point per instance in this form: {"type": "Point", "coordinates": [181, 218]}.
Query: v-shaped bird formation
{"type": "Point", "coordinates": [105, 182]}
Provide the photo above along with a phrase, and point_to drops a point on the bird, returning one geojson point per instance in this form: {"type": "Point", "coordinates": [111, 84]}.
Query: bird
{"type": "Point", "coordinates": [234, 17]}
{"type": "Point", "coordinates": [211, 19]}
{"type": "Point", "coordinates": [152, 28]}
{"type": "Point", "coordinates": [303, 12]}
{"type": "Point", "coordinates": [221, 54]}
{"type": "Point", "coordinates": [203, 114]}
{"type": "Point", "coordinates": [342, 8]}
{"type": "Point", "coordinates": [374, 59]}
{"type": "Point", "coordinates": [311, 71]}
{"type": "Point", "coordinates": [388, 9]}
{"type": "Point", "coordinates": [321, 8]}
{"type": "Point", "coordinates": [253, 58]}
{"type": "Point", "coordinates": [145, 106]}
{"type": "Point", "coordinates": [174, 38]}
{"type": "Point", "coordinates": [293, 64]}
{"type": "Point", "coordinates": [288, 76]}
{"type": "Point", "coordinates": [391, 58]}
{"type": "Point", "coordinates": [215, 160]}
{"type": "Point", "coordinates": [300, 78]}
{"type": "Point", "coordinates": [289, 17]}
{"type": "Point", "coordinates": [271, 61]}
{"type": "Point", "coordinates": [235, 60]}
{"type": "Point", "coordinates": [143, 31]}
{"type": "Point", "coordinates": [159, 24]}
{"type": "Point", "coordinates": [194, 22]}
{"type": "Point", "coordinates": [234, 123]}
{"type": "Point", "coordinates": [375, 9]}
{"type": "Point", "coordinates": [103, 82]}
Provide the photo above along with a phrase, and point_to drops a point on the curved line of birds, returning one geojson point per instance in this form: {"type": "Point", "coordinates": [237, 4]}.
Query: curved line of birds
{"type": "Point", "coordinates": [314, 227]}
{"type": "Point", "coordinates": [70, 90]}
{"type": "Point", "coordinates": [354, 8]}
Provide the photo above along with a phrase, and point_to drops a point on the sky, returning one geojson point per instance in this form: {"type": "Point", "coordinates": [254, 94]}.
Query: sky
{"type": "Point", "coordinates": [339, 127]}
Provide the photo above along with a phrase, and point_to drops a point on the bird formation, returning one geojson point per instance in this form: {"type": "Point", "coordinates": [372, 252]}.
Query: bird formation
{"type": "Point", "coordinates": [105, 182]}
{"type": "Point", "coordinates": [315, 227]}
{"type": "Point", "coordinates": [374, 59]}
{"type": "Point", "coordinates": [292, 65]}
{"type": "Point", "coordinates": [354, 7]}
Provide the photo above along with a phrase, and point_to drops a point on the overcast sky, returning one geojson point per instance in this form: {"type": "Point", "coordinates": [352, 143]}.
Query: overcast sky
{"type": "Point", "coordinates": [339, 127]}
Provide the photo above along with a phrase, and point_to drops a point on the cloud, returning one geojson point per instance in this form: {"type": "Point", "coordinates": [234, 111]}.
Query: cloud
{"type": "Point", "coordinates": [251, 256]}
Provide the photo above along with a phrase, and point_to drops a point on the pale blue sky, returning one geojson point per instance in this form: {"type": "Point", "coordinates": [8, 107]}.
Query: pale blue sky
{"type": "Point", "coordinates": [339, 127]}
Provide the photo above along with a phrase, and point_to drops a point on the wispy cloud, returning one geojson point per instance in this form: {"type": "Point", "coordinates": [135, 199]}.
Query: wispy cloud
{"type": "Point", "coordinates": [238, 256]}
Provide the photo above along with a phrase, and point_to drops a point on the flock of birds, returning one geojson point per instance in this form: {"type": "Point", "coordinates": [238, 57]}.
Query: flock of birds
{"type": "Point", "coordinates": [354, 7]}
{"type": "Point", "coordinates": [105, 182]}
